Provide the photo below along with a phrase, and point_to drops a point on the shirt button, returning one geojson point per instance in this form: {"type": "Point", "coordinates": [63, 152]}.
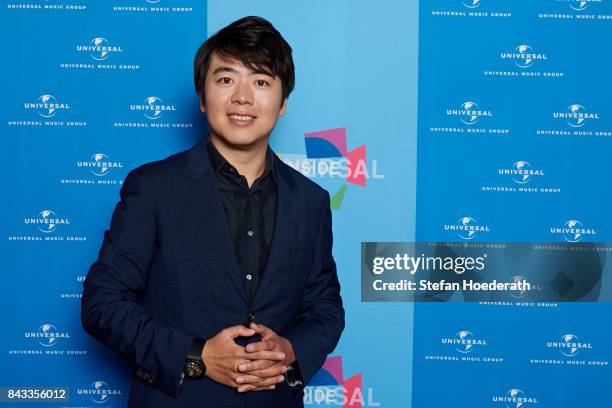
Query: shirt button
{"type": "Point", "coordinates": [249, 277]}
{"type": "Point", "coordinates": [250, 233]}
{"type": "Point", "coordinates": [251, 316]}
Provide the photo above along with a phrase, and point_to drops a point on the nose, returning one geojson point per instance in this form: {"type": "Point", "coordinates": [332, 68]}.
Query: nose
{"type": "Point", "coordinates": [243, 93]}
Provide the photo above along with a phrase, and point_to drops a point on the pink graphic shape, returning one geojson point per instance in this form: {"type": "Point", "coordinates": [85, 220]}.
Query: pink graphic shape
{"type": "Point", "coordinates": [336, 137]}
{"type": "Point", "coordinates": [350, 385]}
{"type": "Point", "coordinates": [357, 166]}
{"type": "Point", "coordinates": [333, 365]}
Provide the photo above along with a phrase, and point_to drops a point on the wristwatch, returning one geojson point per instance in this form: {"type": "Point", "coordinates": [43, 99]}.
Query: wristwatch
{"type": "Point", "coordinates": [194, 367]}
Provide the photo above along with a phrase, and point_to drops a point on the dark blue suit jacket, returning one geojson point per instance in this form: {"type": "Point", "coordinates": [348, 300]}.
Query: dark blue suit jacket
{"type": "Point", "coordinates": [167, 273]}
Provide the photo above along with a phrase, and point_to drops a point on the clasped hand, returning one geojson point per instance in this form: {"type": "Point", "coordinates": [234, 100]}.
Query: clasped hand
{"type": "Point", "coordinates": [256, 367]}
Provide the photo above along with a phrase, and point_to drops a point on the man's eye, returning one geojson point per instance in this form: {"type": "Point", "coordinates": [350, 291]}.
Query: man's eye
{"type": "Point", "coordinates": [225, 80]}
{"type": "Point", "coordinates": [261, 82]}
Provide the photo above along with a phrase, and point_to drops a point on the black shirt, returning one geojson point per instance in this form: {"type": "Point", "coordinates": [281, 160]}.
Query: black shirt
{"type": "Point", "coordinates": [249, 212]}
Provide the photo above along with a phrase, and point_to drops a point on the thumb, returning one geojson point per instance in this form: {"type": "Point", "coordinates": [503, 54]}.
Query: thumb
{"type": "Point", "coordinates": [238, 331]}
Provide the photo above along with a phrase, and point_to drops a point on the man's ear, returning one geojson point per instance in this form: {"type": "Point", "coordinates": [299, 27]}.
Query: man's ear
{"type": "Point", "coordinates": [283, 108]}
{"type": "Point", "coordinates": [202, 107]}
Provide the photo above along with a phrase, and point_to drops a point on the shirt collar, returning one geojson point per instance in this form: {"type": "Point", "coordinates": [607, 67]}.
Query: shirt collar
{"type": "Point", "coordinates": [218, 162]}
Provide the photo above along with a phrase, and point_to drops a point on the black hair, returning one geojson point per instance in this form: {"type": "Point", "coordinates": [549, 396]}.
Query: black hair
{"type": "Point", "coordinates": [253, 41]}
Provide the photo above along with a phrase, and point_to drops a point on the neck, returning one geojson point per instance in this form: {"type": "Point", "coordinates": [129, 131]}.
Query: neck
{"type": "Point", "coordinates": [250, 162]}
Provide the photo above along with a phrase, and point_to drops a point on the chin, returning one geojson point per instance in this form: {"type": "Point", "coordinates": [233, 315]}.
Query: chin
{"type": "Point", "coordinates": [240, 139]}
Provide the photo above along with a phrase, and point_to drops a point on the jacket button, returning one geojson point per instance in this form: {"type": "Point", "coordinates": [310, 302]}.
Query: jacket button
{"type": "Point", "coordinates": [251, 316]}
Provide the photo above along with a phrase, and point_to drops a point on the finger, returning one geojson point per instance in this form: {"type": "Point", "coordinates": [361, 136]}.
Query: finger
{"type": "Point", "coordinates": [264, 355]}
{"type": "Point", "coordinates": [238, 331]}
{"type": "Point", "coordinates": [264, 331]}
{"type": "Point", "coordinates": [260, 346]}
{"type": "Point", "coordinates": [246, 366]}
{"type": "Point", "coordinates": [246, 388]}
{"type": "Point", "coordinates": [277, 369]}
{"type": "Point", "coordinates": [248, 379]}
{"type": "Point", "coordinates": [264, 383]}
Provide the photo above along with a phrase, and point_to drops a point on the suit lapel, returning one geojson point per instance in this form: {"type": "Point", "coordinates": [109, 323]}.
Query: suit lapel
{"type": "Point", "coordinates": [203, 198]}
{"type": "Point", "coordinates": [282, 224]}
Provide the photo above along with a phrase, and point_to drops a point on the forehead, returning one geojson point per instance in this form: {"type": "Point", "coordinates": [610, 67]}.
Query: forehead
{"type": "Point", "coordinates": [218, 61]}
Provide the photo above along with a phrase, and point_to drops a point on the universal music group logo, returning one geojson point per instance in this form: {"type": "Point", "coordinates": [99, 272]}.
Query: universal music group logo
{"type": "Point", "coordinates": [47, 110]}
{"type": "Point", "coordinates": [467, 117]}
{"type": "Point", "coordinates": [467, 228]}
{"type": "Point", "coordinates": [47, 340]}
{"type": "Point", "coordinates": [464, 346]}
{"type": "Point", "coordinates": [47, 225]}
{"type": "Point", "coordinates": [152, 112]}
{"type": "Point", "coordinates": [101, 53]}
{"type": "Point", "coordinates": [575, 120]}
{"type": "Point", "coordinates": [99, 165]}
{"type": "Point", "coordinates": [530, 61]}
{"type": "Point", "coordinates": [471, 8]}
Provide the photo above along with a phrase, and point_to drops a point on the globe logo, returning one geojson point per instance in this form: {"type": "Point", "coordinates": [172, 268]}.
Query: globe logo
{"type": "Point", "coordinates": [467, 233]}
{"type": "Point", "coordinates": [471, 118]}
{"type": "Point", "coordinates": [465, 346]}
{"type": "Point", "coordinates": [48, 339]}
{"type": "Point", "coordinates": [155, 111]}
{"type": "Point", "coordinates": [152, 1]}
{"type": "Point", "coordinates": [575, 235]}
{"type": "Point", "coordinates": [522, 166]}
{"type": "Point", "coordinates": [48, 227]}
{"type": "Point", "coordinates": [100, 396]}
{"type": "Point", "coordinates": [518, 294]}
{"type": "Point", "coordinates": [101, 168]}
{"type": "Point", "coordinates": [576, 117]}
{"type": "Point", "coordinates": [572, 348]}
{"type": "Point", "coordinates": [471, 3]}
{"type": "Point", "coordinates": [526, 60]}
{"type": "Point", "coordinates": [518, 394]}
{"type": "Point", "coordinates": [579, 5]}
{"type": "Point", "coordinates": [48, 109]}
{"type": "Point", "coordinates": [99, 49]}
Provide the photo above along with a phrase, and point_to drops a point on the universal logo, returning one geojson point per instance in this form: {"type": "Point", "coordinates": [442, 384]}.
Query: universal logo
{"type": "Point", "coordinates": [522, 172]}
{"type": "Point", "coordinates": [523, 56]}
{"type": "Point", "coordinates": [47, 221]}
{"type": "Point", "coordinates": [100, 164]}
{"type": "Point", "coordinates": [573, 231]}
{"type": "Point", "coordinates": [515, 398]}
{"type": "Point", "coordinates": [153, 108]}
{"type": "Point", "coordinates": [471, 4]}
{"type": "Point", "coordinates": [467, 228]}
{"type": "Point", "coordinates": [99, 49]}
{"type": "Point", "coordinates": [579, 5]}
{"type": "Point", "coordinates": [100, 392]}
{"type": "Point", "coordinates": [464, 342]}
{"type": "Point", "coordinates": [521, 293]}
{"type": "Point", "coordinates": [469, 113]}
{"type": "Point", "coordinates": [569, 345]}
{"type": "Point", "coordinates": [576, 115]}
{"type": "Point", "coordinates": [47, 106]}
{"type": "Point", "coordinates": [47, 335]}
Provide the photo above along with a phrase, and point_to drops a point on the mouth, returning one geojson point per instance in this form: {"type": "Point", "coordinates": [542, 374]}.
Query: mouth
{"type": "Point", "coordinates": [242, 118]}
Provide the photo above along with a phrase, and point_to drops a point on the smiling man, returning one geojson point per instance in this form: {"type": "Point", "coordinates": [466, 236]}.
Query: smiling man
{"type": "Point", "coordinates": [216, 277]}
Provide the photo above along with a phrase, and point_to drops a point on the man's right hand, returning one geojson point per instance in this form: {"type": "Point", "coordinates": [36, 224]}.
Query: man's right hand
{"type": "Point", "coordinates": [222, 357]}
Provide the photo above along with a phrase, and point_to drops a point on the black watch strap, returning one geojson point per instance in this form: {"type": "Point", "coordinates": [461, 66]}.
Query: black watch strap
{"type": "Point", "coordinates": [194, 366]}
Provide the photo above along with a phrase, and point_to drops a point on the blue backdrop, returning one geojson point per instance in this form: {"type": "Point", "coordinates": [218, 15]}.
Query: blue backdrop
{"type": "Point", "coordinates": [489, 114]}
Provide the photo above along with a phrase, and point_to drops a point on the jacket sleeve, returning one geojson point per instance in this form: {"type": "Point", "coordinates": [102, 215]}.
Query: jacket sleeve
{"type": "Point", "coordinates": [110, 311]}
{"type": "Point", "coordinates": [320, 318]}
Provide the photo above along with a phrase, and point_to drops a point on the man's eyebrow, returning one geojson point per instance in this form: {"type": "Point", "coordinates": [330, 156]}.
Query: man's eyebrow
{"type": "Point", "coordinates": [255, 71]}
{"type": "Point", "coordinates": [224, 69]}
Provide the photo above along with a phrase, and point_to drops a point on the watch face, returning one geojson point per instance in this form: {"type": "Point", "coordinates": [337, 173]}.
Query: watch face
{"type": "Point", "coordinates": [193, 369]}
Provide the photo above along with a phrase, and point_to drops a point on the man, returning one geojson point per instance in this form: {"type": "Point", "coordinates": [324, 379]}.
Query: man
{"type": "Point", "coordinates": [216, 277]}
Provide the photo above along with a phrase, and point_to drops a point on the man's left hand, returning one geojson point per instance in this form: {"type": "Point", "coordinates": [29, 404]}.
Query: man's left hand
{"type": "Point", "coordinates": [270, 341]}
